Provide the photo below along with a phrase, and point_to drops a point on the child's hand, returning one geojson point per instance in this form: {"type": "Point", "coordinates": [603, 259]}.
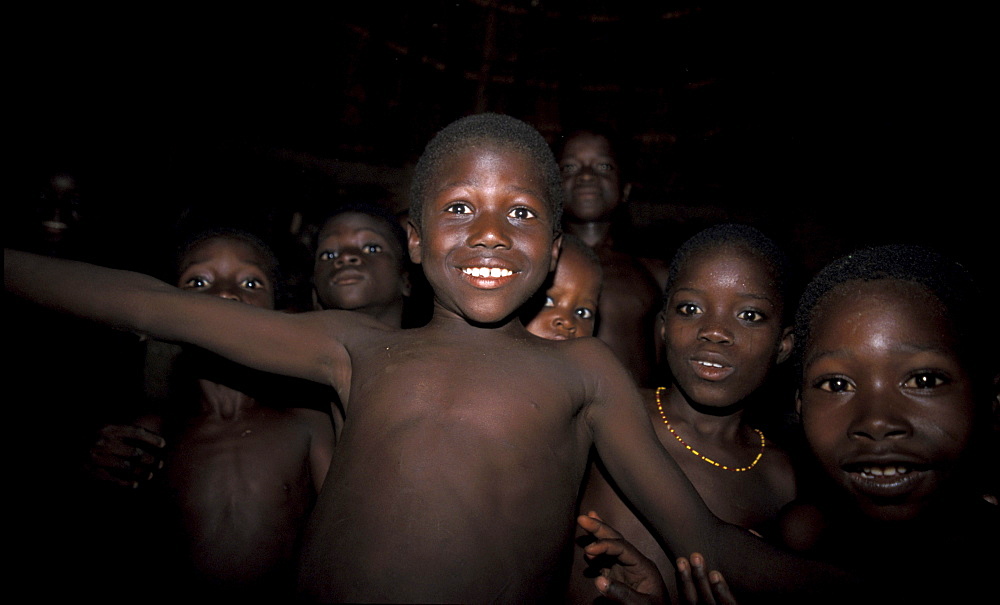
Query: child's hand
{"type": "Point", "coordinates": [698, 587]}
{"type": "Point", "coordinates": [630, 577]}
{"type": "Point", "coordinates": [125, 455]}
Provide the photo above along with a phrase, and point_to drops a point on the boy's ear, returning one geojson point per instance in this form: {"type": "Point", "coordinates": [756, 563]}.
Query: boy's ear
{"type": "Point", "coordinates": [785, 344]}
{"type": "Point", "coordinates": [798, 402]}
{"type": "Point", "coordinates": [556, 247]}
{"type": "Point", "coordinates": [413, 242]}
{"type": "Point", "coordinates": [626, 190]}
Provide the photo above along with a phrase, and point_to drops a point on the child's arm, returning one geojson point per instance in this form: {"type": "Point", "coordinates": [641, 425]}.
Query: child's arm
{"type": "Point", "coordinates": [300, 345]}
{"type": "Point", "coordinates": [660, 491]}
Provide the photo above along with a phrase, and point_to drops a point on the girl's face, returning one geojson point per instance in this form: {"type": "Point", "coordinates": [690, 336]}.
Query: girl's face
{"type": "Point", "coordinates": [886, 406]}
{"type": "Point", "coordinates": [722, 326]}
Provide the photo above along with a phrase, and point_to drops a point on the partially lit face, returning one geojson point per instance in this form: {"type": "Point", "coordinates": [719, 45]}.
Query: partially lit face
{"type": "Point", "coordinates": [486, 242]}
{"type": "Point", "coordinates": [886, 406]}
{"type": "Point", "coordinates": [590, 178]}
{"type": "Point", "coordinates": [229, 269]}
{"type": "Point", "coordinates": [358, 265]}
{"type": "Point", "coordinates": [570, 309]}
{"type": "Point", "coordinates": [722, 325]}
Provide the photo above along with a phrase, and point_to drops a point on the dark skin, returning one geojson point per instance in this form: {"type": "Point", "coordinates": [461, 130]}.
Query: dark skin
{"type": "Point", "coordinates": [630, 298]}
{"type": "Point", "coordinates": [242, 477]}
{"type": "Point", "coordinates": [889, 413]}
{"type": "Point", "coordinates": [722, 325]}
{"type": "Point", "coordinates": [465, 441]}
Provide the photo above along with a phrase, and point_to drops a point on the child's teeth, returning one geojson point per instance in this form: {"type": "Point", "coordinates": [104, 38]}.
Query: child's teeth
{"type": "Point", "coordinates": [710, 364]}
{"type": "Point", "coordinates": [487, 272]}
{"type": "Point", "coordinates": [885, 471]}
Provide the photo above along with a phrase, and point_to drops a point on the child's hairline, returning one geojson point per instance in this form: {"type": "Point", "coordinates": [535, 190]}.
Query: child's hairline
{"type": "Point", "coordinates": [384, 228]}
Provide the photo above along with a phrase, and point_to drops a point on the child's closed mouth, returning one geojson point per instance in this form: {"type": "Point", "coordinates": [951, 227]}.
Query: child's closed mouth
{"type": "Point", "coordinates": [348, 277]}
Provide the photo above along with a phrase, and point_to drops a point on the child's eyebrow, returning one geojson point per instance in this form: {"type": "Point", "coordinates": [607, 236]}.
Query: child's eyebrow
{"type": "Point", "coordinates": [751, 295]}
{"type": "Point", "coordinates": [906, 348]}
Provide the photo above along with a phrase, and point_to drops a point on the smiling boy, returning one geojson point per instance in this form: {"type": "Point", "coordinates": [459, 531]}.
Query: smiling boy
{"type": "Point", "coordinates": [466, 440]}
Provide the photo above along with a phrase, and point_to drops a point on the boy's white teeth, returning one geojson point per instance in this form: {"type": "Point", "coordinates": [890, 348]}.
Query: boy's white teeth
{"type": "Point", "coordinates": [884, 471]}
{"type": "Point", "coordinates": [487, 272]}
{"type": "Point", "coordinates": [709, 364]}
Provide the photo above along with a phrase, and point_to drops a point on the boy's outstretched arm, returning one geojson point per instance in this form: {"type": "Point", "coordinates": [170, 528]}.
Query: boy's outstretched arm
{"type": "Point", "coordinates": [301, 345]}
{"type": "Point", "coordinates": [672, 508]}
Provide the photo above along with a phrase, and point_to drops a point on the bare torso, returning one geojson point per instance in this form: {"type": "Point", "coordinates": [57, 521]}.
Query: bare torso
{"type": "Point", "coordinates": [242, 482]}
{"type": "Point", "coordinates": [466, 451]}
{"type": "Point", "coordinates": [750, 499]}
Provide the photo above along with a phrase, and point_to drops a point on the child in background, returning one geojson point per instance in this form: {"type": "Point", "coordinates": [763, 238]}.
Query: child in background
{"type": "Point", "coordinates": [896, 364]}
{"type": "Point", "coordinates": [241, 469]}
{"type": "Point", "coordinates": [595, 191]}
{"type": "Point", "coordinates": [570, 306]}
{"type": "Point", "coordinates": [465, 441]}
{"type": "Point", "coordinates": [725, 327]}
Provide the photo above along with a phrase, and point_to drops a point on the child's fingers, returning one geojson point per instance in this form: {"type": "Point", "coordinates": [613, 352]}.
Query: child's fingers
{"type": "Point", "coordinates": [723, 596]}
{"type": "Point", "coordinates": [693, 581]}
{"type": "Point", "coordinates": [620, 593]}
{"type": "Point", "coordinates": [594, 525]}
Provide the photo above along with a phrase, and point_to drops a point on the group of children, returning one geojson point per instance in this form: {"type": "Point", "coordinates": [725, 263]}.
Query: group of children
{"type": "Point", "coordinates": [466, 447]}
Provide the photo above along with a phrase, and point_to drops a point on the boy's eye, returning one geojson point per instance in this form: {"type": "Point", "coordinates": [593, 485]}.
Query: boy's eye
{"type": "Point", "coordinates": [521, 213]}
{"type": "Point", "coordinates": [925, 380]}
{"type": "Point", "coordinates": [458, 208]}
{"type": "Point", "coordinates": [372, 248]}
{"type": "Point", "coordinates": [196, 282]}
{"type": "Point", "coordinates": [569, 168]}
{"type": "Point", "coordinates": [835, 385]}
{"type": "Point", "coordinates": [328, 255]}
{"type": "Point", "coordinates": [252, 283]}
{"type": "Point", "coordinates": [549, 302]}
{"type": "Point", "coordinates": [605, 167]}
{"type": "Point", "coordinates": [752, 316]}
{"type": "Point", "coordinates": [584, 313]}
{"type": "Point", "coordinates": [688, 309]}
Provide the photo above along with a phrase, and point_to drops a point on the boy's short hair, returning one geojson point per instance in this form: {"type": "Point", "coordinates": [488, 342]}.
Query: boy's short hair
{"type": "Point", "coordinates": [743, 236]}
{"type": "Point", "coordinates": [489, 129]}
{"type": "Point", "coordinates": [949, 281]}
{"type": "Point", "coordinates": [271, 266]}
{"type": "Point", "coordinates": [396, 232]}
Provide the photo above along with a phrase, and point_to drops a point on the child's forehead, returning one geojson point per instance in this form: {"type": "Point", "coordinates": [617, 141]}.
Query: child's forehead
{"type": "Point", "coordinates": [757, 272]}
{"type": "Point", "coordinates": [886, 302]}
{"type": "Point", "coordinates": [215, 247]}
{"type": "Point", "coordinates": [480, 157]}
{"type": "Point", "coordinates": [354, 221]}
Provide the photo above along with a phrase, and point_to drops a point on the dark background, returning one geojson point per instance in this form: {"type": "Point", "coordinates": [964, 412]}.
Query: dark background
{"type": "Point", "coordinates": [829, 125]}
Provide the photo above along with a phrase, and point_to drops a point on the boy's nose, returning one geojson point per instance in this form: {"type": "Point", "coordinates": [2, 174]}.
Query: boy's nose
{"type": "Point", "coordinates": [879, 415]}
{"type": "Point", "coordinates": [347, 257]}
{"type": "Point", "coordinates": [229, 293]}
{"type": "Point", "coordinates": [490, 231]}
{"type": "Point", "coordinates": [564, 323]}
{"type": "Point", "coordinates": [716, 332]}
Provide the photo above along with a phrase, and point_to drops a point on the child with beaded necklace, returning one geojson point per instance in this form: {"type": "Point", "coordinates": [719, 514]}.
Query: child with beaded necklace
{"type": "Point", "coordinates": [724, 328]}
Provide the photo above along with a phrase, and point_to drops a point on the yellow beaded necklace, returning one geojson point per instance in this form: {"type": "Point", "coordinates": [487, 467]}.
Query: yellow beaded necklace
{"type": "Point", "coordinates": [763, 442]}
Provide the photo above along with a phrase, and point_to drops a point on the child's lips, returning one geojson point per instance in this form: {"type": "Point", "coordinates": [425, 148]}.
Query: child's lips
{"type": "Point", "coordinates": [487, 277]}
{"type": "Point", "coordinates": [347, 277]}
{"type": "Point", "coordinates": [711, 367]}
{"type": "Point", "coordinates": [886, 478]}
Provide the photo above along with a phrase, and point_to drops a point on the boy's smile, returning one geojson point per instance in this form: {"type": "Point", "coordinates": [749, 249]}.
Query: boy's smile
{"type": "Point", "coordinates": [722, 326]}
{"type": "Point", "coordinates": [487, 241]}
{"type": "Point", "coordinates": [886, 405]}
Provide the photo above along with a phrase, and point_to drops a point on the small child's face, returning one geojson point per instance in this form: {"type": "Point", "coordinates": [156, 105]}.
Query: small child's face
{"type": "Point", "coordinates": [570, 309]}
{"type": "Point", "coordinates": [358, 264]}
{"type": "Point", "coordinates": [886, 406]}
{"type": "Point", "coordinates": [487, 242]}
{"type": "Point", "coordinates": [722, 325]}
{"type": "Point", "coordinates": [590, 177]}
{"type": "Point", "coordinates": [229, 269]}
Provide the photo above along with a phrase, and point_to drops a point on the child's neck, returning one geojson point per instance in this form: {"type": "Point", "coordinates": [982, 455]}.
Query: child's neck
{"type": "Point", "coordinates": [594, 234]}
{"type": "Point", "coordinates": [223, 402]}
{"type": "Point", "coordinates": [699, 419]}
